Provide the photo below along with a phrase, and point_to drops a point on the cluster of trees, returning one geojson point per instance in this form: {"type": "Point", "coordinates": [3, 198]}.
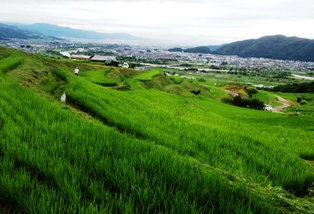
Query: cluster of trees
{"type": "Point", "coordinates": [295, 88]}
{"type": "Point", "coordinates": [244, 102]}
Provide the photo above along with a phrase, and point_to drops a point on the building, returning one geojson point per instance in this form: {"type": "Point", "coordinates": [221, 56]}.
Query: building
{"type": "Point", "coordinates": [80, 57]}
{"type": "Point", "coordinates": [105, 59]}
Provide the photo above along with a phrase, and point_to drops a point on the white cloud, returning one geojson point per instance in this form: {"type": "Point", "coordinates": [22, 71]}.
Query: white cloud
{"type": "Point", "coordinates": [198, 21]}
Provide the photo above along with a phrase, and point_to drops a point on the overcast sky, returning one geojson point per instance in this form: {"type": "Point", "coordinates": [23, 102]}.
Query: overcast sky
{"type": "Point", "coordinates": [195, 22]}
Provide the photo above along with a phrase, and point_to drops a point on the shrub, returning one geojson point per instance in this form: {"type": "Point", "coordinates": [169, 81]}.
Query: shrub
{"type": "Point", "coordinates": [243, 102]}
{"type": "Point", "coordinates": [251, 90]}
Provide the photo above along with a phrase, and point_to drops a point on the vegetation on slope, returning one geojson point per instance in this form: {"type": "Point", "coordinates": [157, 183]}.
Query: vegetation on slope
{"type": "Point", "coordinates": [295, 88]}
{"type": "Point", "coordinates": [54, 162]}
{"type": "Point", "coordinates": [148, 151]}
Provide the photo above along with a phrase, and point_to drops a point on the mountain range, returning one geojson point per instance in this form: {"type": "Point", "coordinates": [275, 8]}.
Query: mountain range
{"type": "Point", "coordinates": [11, 32]}
{"type": "Point", "coordinates": [16, 30]}
{"type": "Point", "coordinates": [273, 47]}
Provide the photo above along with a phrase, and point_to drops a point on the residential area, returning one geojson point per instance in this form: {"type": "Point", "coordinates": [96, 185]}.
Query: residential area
{"type": "Point", "coordinates": [152, 55]}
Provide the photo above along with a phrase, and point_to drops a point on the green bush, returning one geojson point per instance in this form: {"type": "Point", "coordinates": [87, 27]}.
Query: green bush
{"type": "Point", "coordinates": [251, 90]}
{"type": "Point", "coordinates": [243, 102]}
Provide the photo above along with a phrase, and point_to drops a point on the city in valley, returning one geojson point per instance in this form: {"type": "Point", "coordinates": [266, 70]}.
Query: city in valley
{"type": "Point", "coordinates": [143, 57]}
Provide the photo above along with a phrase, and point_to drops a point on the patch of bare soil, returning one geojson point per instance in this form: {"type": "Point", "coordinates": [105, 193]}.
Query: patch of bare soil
{"type": "Point", "coordinates": [285, 103]}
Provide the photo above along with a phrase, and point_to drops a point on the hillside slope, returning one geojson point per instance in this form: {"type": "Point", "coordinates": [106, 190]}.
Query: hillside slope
{"type": "Point", "coordinates": [274, 47]}
{"type": "Point", "coordinates": [120, 144]}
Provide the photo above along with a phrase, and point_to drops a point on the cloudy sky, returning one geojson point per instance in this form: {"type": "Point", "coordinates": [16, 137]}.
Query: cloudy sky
{"type": "Point", "coordinates": [186, 22]}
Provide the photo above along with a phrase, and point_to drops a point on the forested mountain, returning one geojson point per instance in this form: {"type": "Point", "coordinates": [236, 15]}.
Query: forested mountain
{"type": "Point", "coordinates": [274, 47]}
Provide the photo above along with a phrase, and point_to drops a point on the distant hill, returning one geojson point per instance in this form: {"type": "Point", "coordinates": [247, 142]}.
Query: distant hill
{"type": "Point", "coordinates": [66, 32]}
{"type": "Point", "coordinates": [274, 47]}
{"type": "Point", "coordinates": [11, 32]}
{"type": "Point", "coordinates": [201, 49]}
{"type": "Point", "coordinates": [214, 47]}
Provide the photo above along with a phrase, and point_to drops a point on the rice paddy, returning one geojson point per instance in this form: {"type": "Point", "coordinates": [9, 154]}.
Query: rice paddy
{"type": "Point", "coordinates": [146, 150]}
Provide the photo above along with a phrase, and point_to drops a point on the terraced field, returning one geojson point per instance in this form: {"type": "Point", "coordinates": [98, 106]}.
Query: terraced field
{"type": "Point", "coordinates": [139, 142]}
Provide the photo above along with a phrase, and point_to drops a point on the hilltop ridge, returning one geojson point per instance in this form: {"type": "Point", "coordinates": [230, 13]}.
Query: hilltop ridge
{"type": "Point", "coordinates": [67, 32]}
{"type": "Point", "coordinates": [274, 47]}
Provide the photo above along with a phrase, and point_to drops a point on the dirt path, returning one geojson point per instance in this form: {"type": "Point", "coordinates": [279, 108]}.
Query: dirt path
{"type": "Point", "coordinates": [285, 103]}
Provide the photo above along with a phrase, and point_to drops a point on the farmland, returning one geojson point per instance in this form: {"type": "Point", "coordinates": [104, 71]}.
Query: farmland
{"type": "Point", "coordinates": [127, 141]}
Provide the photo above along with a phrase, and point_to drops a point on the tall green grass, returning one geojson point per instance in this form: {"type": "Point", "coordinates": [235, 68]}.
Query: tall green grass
{"type": "Point", "coordinates": [165, 153]}
{"type": "Point", "coordinates": [267, 98]}
{"type": "Point", "coordinates": [176, 79]}
{"type": "Point", "coordinates": [198, 128]}
{"type": "Point", "coordinates": [10, 62]}
{"type": "Point", "coordinates": [54, 162]}
{"type": "Point", "coordinates": [99, 77]}
{"type": "Point", "coordinates": [146, 76]}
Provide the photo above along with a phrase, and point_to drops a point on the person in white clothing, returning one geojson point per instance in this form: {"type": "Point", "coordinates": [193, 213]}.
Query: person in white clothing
{"type": "Point", "coordinates": [63, 97]}
{"type": "Point", "coordinates": [76, 71]}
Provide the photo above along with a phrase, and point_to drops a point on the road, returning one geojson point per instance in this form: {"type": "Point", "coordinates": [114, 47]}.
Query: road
{"type": "Point", "coordinates": [303, 77]}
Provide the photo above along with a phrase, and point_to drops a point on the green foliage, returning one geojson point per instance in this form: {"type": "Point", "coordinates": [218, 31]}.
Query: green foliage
{"type": "Point", "coordinates": [295, 88]}
{"type": "Point", "coordinates": [147, 151]}
{"type": "Point", "coordinates": [148, 75]}
{"type": "Point", "coordinates": [145, 119]}
{"type": "Point", "coordinates": [251, 90]}
{"type": "Point", "coordinates": [54, 162]}
{"type": "Point", "coordinates": [267, 98]}
{"type": "Point", "coordinates": [243, 102]}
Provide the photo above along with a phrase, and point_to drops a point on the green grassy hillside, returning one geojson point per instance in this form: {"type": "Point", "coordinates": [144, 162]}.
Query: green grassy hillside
{"type": "Point", "coordinates": [139, 142]}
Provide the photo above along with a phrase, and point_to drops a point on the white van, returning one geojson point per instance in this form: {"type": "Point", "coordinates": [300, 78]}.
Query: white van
{"type": "Point", "coordinates": [268, 108]}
